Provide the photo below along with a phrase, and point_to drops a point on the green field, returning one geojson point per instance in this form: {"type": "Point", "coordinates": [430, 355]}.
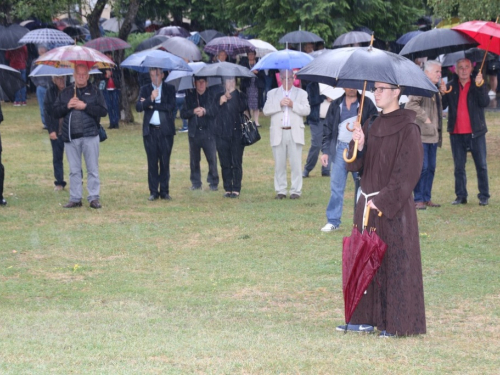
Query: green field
{"type": "Point", "coordinates": [207, 285]}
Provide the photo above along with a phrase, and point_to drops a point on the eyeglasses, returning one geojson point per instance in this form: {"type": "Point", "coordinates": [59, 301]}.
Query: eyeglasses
{"type": "Point", "coordinates": [380, 90]}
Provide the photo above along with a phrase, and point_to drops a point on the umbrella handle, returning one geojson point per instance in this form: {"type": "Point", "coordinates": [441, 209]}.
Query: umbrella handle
{"type": "Point", "coordinates": [449, 90]}
{"type": "Point", "coordinates": [354, 153]}
{"type": "Point", "coordinates": [367, 216]}
{"type": "Point", "coordinates": [349, 128]}
{"type": "Point", "coordinates": [480, 83]}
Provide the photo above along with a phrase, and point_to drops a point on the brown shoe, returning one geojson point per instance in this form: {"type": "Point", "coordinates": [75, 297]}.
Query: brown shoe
{"type": "Point", "coordinates": [294, 196]}
{"type": "Point", "coordinates": [73, 204]}
{"type": "Point", "coordinates": [431, 204]}
{"type": "Point", "coordinates": [95, 204]}
{"type": "Point", "coordinates": [420, 206]}
{"type": "Point", "coordinates": [280, 196]}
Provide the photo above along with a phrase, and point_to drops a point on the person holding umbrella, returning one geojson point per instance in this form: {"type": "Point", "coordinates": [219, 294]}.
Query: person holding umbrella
{"type": "Point", "coordinates": [390, 155]}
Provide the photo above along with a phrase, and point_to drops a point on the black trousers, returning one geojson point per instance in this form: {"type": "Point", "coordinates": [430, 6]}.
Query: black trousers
{"type": "Point", "coordinates": [203, 140]}
{"type": "Point", "coordinates": [57, 161]}
{"type": "Point", "coordinates": [158, 149]}
{"type": "Point", "coordinates": [2, 176]}
{"type": "Point", "coordinates": [231, 162]}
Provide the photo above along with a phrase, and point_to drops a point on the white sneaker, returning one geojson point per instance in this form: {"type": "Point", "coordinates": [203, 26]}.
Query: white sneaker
{"type": "Point", "coordinates": [329, 228]}
{"type": "Point", "coordinates": [492, 93]}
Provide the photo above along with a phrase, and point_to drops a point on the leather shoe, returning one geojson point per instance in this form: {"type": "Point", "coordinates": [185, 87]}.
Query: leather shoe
{"type": "Point", "coordinates": [153, 197]}
{"type": "Point", "coordinates": [305, 174]}
{"type": "Point", "coordinates": [195, 188]}
{"type": "Point", "coordinates": [95, 204]}
{"type": "Point", "coordinates": [166, 197]}
{"type": "Point", "coordinates": [72, 204]}
{"type": "Point", "coordinates": [280, 196]}
{"type": "Point", "coordinates": [432, 204]}
{"type": "Point", "coordinates": [3, 202]}
{"type": "Point", "coordinates": [420, 206]}
{"type": "Point", "coordinates": [459, 201]}
{"type": "Point", "coordinates": [294, 196]}
{"type": "Point", "coordinates": [214, 188]}
{"type": "Point", "coordinates": [325, 174]}
{"type": "Point", "coordinates": [483, 202]}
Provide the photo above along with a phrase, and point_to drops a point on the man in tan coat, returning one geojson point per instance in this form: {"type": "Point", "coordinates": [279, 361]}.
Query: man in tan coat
{"type": "Point", "coordinates": [430, 120]}
{"type": "Point", "coordinates": [287, 105]}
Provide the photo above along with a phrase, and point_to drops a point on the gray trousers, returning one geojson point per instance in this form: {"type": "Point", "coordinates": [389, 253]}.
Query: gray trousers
{"type": "Point", "coordinates": [89, 148]}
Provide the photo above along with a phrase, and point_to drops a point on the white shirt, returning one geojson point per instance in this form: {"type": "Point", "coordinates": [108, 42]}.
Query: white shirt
{"type": "Point", "coordinates": [155, 119]}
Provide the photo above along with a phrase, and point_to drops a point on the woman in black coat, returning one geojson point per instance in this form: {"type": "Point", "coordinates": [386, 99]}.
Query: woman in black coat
{"type": "Point", "coordinates": [228, 107]}
{"type": "Point", "coordinates": [253, 87]}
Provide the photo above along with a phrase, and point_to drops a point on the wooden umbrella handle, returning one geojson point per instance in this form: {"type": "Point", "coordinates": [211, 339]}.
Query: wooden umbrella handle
{"type": "Point", "coordinates": [449, 90]}
{"type": "Point", "coordinates": [354, 153]}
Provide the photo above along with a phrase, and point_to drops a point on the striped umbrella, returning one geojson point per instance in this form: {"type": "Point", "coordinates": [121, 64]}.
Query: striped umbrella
{"type": "Point", "coordinates": [231, 44]}
{"type": "Point", "coordinates": [107, 43]}
{"type": "Point", "coordinates": [46, 36]}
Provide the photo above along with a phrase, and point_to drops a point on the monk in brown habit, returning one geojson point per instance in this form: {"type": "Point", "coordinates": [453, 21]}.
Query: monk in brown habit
{"type": "Point", "coordinates": [391, 156]}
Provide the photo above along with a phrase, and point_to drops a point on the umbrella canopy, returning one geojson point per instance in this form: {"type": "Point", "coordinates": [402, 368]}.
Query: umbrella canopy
{"type": "Point", "coordinates": [50, 71]}
{"type": "Point", "coordinates": [46, 36]}
{"type": "Point", "coordinates": [487, 34]}
{"type": "Point", "coordinates": [285, 59]}
{"type": "Point", "coordinates": [182, 47]}
{"type": "Point", "coordinates": [69, 56]}
{"type": "Point", "coordinates": [300, 36]}
{"type": "Point", "coordinates": [77, 32]}
{"type": "Point", "coordinates": [405, 38]}
{"type": "Point", "coordinates": [174, 31]}
{"type": "Point", "coordinates": [107, 43]}
{"type": "Point", "coordinates": [65, 22]}
{"type": "Point", "coordinates": [183, 80]}
{"type": "Point", "coordinates": [436, 42]}
{"type": "Point", "coordinates": [319, 52]}
{"type": "Point", "coordinates": [352, 37]}
{"type": "Point", "coordinates": [362, 256]}
{"type": "Point", "coordinates": [262, 48]}
{"type": "Point", "coordinates": [208, 35]}
{"type": "Point", "coordinates": [9, 36]}
{"type": "Point", "coordinates": [473, 54]}
{"type": "Point", "coordinates": [10, 81]}
{"type": "Point", "coordinates": [114, 24]}
{"type": "Point", "coordinates": [151, 43]}
{"type": "Point", "coordinates": [350, 67]}
{"type": "Point", "coordinates": [224, 69]}
{"type": "Point", "coordinates": [164, 60]}
{"type": "Point", "coordinates": [231, 44]}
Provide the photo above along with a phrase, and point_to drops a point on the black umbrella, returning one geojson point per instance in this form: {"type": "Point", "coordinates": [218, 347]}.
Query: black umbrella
{"type": "Point", "coordinates": [300, 36]}
{"type": "Point", "coordinates": [10, 81]}
{"type": "Point", "coordinates": [473, 54]}
{"type": "Point", "coordinates": [352, 37]}
{"type": "Point", "coordinates": [208, 35]}
{"type": "Point", "coordinates": [437, 42]}
{"type": "Point", "coordinates": [151, 42]}
{"type": "Point", "coordinates": [405, 38]}
{"type": "Point", "coordinates": [224, 69]}
{"type": "Point", "coordinates": [9, 36]}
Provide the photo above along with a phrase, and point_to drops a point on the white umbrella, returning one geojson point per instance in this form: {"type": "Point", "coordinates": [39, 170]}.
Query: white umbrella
{"type": "Point", "coordinates": [262, 48]}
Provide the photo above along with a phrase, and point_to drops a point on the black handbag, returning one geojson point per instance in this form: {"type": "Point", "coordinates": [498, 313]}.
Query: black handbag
{"type": "Point", "coordinates": [249, 131]}
{"type": "Point", "coordinates": [102, 134]}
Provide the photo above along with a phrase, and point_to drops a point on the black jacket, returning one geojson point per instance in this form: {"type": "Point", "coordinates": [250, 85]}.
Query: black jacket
{"type": "Point", "coordinates": [48, 109]}
{"type": "Point", "coordinates": [315, 100]}
{"type": "Point", "coordinates": [477, 100]}
{"type": "Point", "coordinates": [227, 122]}
{"type": "Point", "coordinates": [78, 123]}
{"type": "Point", "coordinates": [165, 108]}
{"type": "Point", "coordinates": [260, 80]}
{"type": "Point", "coordinates": [331, 126]}
{"type": "Point", "coordinates": [194, 100]}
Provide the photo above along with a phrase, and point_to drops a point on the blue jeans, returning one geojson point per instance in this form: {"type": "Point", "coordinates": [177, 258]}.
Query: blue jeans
{"type": "Point", "coordinates": [40, 95]}
{"type": "Point", "coordinates": [112, 98]}
{"type": "Point", "coordinates": [179, 103]}
{"type": "Point", "coordinates": [21, 94]}
{"type": "Point", "coordinates": [422, 191]}
{"type": "Point", "coordinates": [338, 178]}
{"type": "Point", "coordinates": [460, 144]}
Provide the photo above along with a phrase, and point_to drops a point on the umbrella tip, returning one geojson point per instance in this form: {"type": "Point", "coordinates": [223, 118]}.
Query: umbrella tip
{"type": "Point", "coordinates": [371, 41]}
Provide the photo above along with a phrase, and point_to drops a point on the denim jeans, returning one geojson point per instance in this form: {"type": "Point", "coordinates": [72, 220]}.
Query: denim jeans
{"type": "Point", "coordinates": [422, 191]}
{"type": "Point", "coordinates": [40, 95]}
{"type": "Point", "coordinates": [179, 103]}
{"type": "Point", "coordinates": [338, 178]}
{"type": "Point", "coordinates": [21, 94]}
{"type": "Point", "coordinates": [460, 144]}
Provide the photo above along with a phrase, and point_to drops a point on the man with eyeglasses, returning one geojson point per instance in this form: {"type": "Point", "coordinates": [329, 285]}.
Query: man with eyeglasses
{"type": "Point", "coordinates": [391, 159]}
{"type": "Point", "coordinates": [82, 106]}
{"type": "Point", "coordinates": [467, 128]}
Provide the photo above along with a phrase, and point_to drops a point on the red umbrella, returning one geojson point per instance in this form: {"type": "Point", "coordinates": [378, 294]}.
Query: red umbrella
{"type": "Point", "coordinates": [362, 256]}
{"type": "Point", "coordinates": [107, 43]}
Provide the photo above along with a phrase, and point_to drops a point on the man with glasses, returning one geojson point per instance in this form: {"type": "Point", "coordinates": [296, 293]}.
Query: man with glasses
{"type": "Point", "coordinates": [391, 159]}
{"type": "Point", "coordinates": [467, 128]}
{"type": "Point", "coordinates": [82, 106]}
{"type": "Point", "coordinates": [287, 105]}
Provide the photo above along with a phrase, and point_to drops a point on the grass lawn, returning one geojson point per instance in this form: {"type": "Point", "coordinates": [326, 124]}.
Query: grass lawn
{"type": "Point", "coordinates": [207, 285]}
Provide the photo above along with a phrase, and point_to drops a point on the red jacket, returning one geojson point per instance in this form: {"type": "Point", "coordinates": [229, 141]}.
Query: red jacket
{"type": "Point", "coordinates": [17, 57]}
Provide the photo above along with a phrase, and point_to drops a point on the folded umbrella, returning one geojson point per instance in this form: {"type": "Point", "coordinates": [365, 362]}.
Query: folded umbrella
{"type": "Point", "coordinates": [10, 81]}
{"type": "Point", "coordinates": [165, 61]}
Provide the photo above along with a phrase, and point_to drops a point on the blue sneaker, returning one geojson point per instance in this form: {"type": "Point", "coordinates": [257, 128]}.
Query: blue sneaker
{"type": "Point", "coordinates": [355, 328]}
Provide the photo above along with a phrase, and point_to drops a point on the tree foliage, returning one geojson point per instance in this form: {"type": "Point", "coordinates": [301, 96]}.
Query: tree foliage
{"type": "Point", "coordinates": [467, 10]}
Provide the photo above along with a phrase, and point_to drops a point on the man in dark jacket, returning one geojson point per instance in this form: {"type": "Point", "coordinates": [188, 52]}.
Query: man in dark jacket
{"type": "Point", "coordinates": [157, 101]}
{"type": "Point", "coordinates": [198, 110]}
{"type": "Point", "coordinates": [315, 100]}
{"type": "Point", "coordinates": [467, 128]}
{"type": "Point", "coordinates": [336, 138]}
{"type": "Point", "coordinates": [3, 202]}
{"type": "Point", "coordinates": [82, 106]}
{"type": "Point", "coordinates": [54, 89]}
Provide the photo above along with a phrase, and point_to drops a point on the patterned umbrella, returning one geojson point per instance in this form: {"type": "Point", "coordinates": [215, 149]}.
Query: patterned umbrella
{"type": "Point", "coordinates": [107, 43]}
{"type": "Point", "coordinates": [69, 56]}
{"type": "Point", "coordinates": [231, 44]}
{"type": "Point", "coordinates": [9, 36]}
{"type": "Point", "coordinates": [46, 36]}
{"type": "Point", "coordinates": [182, 47]}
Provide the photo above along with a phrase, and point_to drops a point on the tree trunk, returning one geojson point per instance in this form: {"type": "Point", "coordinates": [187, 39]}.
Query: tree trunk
{"type": "Point", "coordinates": [93, 18]}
